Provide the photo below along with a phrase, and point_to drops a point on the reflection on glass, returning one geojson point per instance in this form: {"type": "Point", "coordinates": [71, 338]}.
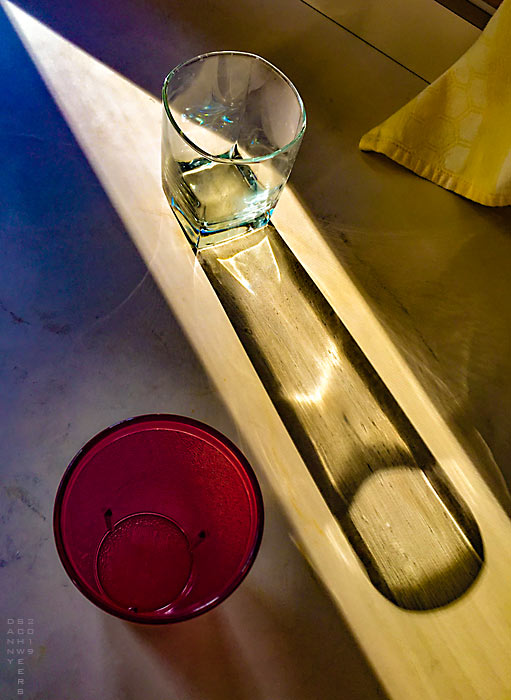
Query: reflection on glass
{"type": "Point", "coordinates": [232, 126]}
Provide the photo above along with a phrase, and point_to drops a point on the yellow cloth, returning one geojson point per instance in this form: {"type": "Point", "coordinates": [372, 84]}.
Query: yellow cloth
{"type": "Point", "coordinates": [457, 131]}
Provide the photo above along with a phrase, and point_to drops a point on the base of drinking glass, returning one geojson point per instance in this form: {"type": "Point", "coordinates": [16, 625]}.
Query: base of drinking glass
{"type": "Point", "coordinates": [203, 237]}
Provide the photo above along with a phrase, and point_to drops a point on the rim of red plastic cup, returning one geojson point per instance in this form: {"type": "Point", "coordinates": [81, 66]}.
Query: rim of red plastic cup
{"type": "Point", "coordinates": [75, 462]}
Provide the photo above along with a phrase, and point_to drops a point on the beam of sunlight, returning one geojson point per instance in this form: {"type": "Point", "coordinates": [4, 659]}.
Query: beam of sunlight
{"type": "Point", "coordinates": [117, 124]}
{"type": "Point", "coordinates": [118, 128]}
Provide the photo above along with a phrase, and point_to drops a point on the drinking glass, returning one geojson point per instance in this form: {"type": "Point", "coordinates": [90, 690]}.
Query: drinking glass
{"type": "Point", "coordinates": [232, 126]}
{"type": "Point", "coordinates": [158, 519]}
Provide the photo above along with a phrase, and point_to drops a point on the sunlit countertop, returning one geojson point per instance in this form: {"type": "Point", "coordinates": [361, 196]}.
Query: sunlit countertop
{"type": "Point", "coordinates": [105, 314]}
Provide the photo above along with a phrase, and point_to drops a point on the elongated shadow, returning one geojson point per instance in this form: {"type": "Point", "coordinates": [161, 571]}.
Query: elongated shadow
{"type": "Point", "coordinates": [413, 534]}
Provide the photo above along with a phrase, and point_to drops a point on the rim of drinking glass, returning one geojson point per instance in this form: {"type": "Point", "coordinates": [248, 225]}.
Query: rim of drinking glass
{"type": "Point", "coordinates": [218, 159]}
{"type": "Point", "coordinates": [111, 607]}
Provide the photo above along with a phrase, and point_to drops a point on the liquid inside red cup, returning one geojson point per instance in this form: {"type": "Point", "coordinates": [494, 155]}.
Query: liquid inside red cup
{"type": "Point", "coordinates": [158, 519]}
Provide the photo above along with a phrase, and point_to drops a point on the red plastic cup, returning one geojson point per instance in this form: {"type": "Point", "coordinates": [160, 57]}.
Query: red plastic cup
{"type": "Point", "coordinates": [158, 519]}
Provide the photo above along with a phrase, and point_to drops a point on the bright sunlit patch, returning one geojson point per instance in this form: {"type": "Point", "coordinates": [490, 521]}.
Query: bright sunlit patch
{"type": "Point", "coordinates": [259, 256]}
{"type": "Point", "coordinates": [116, 123]}
{"type": "Point", "coordinates": [326, 365]}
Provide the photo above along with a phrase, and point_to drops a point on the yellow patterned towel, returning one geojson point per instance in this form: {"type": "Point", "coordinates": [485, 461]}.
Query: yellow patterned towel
{"type": "Point", "coordinates": [457, 132]}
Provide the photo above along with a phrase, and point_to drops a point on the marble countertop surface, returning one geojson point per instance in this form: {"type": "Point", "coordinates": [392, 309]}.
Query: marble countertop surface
{"type": "Point", "coordinates": [88, 337]}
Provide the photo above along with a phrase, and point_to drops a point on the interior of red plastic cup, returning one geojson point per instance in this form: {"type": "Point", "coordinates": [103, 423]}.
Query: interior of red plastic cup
{"type": "Point", "coordinates": [158, 519]}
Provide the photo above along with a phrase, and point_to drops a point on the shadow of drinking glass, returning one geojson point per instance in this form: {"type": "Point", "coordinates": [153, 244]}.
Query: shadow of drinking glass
{"type": "Point", "coordinates": [416, 539]}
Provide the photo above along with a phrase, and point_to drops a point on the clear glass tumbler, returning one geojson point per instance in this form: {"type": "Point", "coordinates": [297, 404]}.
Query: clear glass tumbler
{"type": "Point", "coordinates": [232, 126]}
